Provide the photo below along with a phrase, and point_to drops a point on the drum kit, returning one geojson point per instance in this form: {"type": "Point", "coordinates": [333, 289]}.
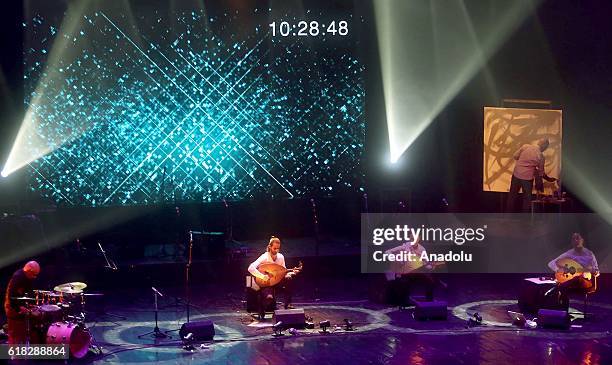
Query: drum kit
{"type": "Point", "coordinates": [58, 317]}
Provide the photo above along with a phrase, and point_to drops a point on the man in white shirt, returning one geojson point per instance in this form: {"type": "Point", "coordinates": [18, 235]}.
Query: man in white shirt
{"type": "Point", "coordinates": [578, 253]}
{"type": "Point", "coordinates": [401, 276]}
{"type": "Point", "coordinates": [529, 166]}
{"type": "Point", "coordinates": [582, 256]}
{"type": "Point", "coordinates": [272, 255]}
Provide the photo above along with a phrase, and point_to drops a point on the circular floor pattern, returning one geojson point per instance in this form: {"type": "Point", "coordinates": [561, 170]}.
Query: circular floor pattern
{"type": "Point", "coordinates": [126, 335]}
{"type": "Point", "coordinates": [461, 311]}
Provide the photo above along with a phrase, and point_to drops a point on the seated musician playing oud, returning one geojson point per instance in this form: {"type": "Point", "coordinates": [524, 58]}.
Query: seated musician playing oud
{"type": "Point", "coordinates": [272, 255]}
{"type": "Point", "coordinates": [582, 256]}
{"type": "Point", "coordinates": [403, 275]}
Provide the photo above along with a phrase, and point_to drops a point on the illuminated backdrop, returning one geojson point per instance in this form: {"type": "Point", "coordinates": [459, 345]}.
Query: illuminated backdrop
{"type": "Point", "coordinates": [150, 107]}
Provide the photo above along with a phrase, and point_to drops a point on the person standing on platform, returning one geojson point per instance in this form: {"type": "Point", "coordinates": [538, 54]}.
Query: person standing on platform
{"type": "Point", "coordinates": [529, 167]}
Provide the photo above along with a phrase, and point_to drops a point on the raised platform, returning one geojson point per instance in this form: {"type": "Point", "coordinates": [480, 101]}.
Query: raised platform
{"type": "Point", "coordinates": [382, 334]}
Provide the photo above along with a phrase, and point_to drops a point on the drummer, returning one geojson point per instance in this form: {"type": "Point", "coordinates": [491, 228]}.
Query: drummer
{"type": "Point", "coordinates": [16, 309]}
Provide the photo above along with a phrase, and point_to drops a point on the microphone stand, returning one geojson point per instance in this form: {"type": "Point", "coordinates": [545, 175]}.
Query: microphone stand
{"type": "Point", "coordinates": [315, 220]}
{"type": "Point", "coordinates": [110, 264]}
{"type": "Point", "coordinates": [367, 210]}
{"type": "Point", "coordinates": [156, 331]}
{"type": "Point", "coordinates": [187, 277]}
{"type": "Point", "coordinates": [229, 226]}
{"type": "Point", "coordinates": [188, 272]}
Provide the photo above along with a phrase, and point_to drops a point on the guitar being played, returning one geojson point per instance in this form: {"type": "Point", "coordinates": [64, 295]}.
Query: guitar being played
{"type": "Point", "coordinates": [271, 273]}
{"type": "Point", "coordinates": [575, 269]}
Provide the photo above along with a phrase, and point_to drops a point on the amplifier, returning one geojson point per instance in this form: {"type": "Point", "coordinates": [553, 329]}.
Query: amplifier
{"type": "Point", "coordinates": [202, 330]}
{"type": "Point", "coordinates": [290, 317]}
{"type": "Point", "coordinates": [549, 318]}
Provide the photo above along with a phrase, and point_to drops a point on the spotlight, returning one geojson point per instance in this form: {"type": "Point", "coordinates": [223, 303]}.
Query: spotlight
{"type": "Point", "coordinates": [4, 173]}
{"type": "Point", "coordinates": [348, 325]}
{"type": "Point", "coordinates": [324, 325]}
{"type": "Point", "coordinates": [278, 329]}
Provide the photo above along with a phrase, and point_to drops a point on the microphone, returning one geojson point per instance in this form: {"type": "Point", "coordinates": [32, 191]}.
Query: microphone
{"type": "Point", "coordinates": [157, 292]}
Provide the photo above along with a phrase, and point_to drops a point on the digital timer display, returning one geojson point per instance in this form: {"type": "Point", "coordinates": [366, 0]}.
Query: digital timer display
{"type": "Point", "coordinates": [309, 28]}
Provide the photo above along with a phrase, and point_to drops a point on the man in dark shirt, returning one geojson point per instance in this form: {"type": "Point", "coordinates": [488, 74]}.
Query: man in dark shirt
{"type": "Point", "coordinates": [16, 311]}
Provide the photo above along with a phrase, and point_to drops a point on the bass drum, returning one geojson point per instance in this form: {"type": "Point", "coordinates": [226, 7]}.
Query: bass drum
{"type": "Point", "coordinates": [74, 335]}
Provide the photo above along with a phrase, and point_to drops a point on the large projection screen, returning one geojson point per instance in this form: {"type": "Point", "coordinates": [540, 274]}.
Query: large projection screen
{"type": "Point", "coordinates": [132, 103]}
{"type": "Point", "coordinates": [506, 130]}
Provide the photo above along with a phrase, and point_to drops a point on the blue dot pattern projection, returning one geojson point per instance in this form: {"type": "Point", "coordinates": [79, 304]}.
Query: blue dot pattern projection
{"type": "Point", "coordinates": [137, 111]}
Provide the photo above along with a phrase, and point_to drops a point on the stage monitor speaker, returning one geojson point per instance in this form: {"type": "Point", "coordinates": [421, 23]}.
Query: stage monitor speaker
{"type": "Point", "coordinates": [549, 318]}
{"type": "Point", "coordinates": [423, 309]}
{"type": "Point", "coordinates": [290, 317]}
{"type": "Point", "coordinates": [202, 330]}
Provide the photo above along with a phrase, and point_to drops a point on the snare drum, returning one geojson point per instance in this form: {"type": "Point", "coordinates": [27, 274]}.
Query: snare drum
{"type": "Point", "coordinates": [50, 313]}
{"type": "Point", "coordinates": [71, 334]}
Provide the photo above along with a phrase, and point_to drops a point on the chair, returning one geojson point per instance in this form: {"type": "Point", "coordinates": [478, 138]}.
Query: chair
{"type": "Point", "coordinates": [585, 294]}
{"type": "Point", "coordinates": [255, 300]}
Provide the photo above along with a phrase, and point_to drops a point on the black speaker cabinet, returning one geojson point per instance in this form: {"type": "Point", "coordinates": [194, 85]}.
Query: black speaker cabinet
{"type": "Point", "coordinates": [424, 309]}
{"type": "Point", "coordinates": [549, 318]}
{"type": "Point", "coordinates": [290, 317]}
{"type": "Point", "coordinates": [202, 330]}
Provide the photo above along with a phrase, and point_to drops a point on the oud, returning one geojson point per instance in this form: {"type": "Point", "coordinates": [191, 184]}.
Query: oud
{"type": "Point", "coordinates": [275, 273]}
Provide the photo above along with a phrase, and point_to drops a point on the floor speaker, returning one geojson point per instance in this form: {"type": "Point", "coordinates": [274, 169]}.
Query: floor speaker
{"type": "Point", "coordinates": [202, 330]}
{"type": "Point", "coordinates": [290, 317]}
{"type": "Point", "coordinates": [549, 318]}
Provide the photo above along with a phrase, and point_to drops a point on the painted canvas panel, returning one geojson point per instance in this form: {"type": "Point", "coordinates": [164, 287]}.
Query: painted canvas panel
{"type": "Point", "coordinates": [506, 130]}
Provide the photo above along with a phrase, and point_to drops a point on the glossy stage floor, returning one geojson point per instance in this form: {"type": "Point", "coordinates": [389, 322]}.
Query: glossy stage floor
{"type": "Point", "coordinates": [382, 335]}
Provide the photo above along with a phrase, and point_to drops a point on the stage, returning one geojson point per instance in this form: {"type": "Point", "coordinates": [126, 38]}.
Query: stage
{"type": "Point", "coordinates": [432, 172]}
{"type": "Point", "coordinates": [382, 333]}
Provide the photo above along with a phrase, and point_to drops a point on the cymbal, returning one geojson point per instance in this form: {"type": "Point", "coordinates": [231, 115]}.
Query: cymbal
{"type": "Point", "coordinates": [22, 298]}
{"type": "Point", "coordinates": [75, 285]}
{"type": "Point", "coordinates": [94, 294]}
{"type": "Point", "coordinates": [68, 290]}
{"type": "Point", "coordinates": [71, 287]}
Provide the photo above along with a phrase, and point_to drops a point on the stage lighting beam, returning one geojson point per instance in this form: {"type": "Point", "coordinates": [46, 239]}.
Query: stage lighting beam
{"type": "Point", "coordinates": [32, 143]}
{"type": "Point", "coordinates": [429, 50]}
